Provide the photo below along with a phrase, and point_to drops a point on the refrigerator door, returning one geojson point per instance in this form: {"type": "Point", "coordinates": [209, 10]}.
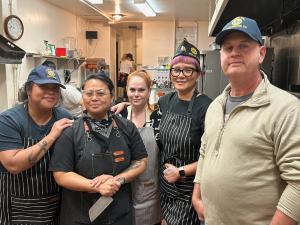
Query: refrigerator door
{"type": "Point", "coordinates": [214, 81]}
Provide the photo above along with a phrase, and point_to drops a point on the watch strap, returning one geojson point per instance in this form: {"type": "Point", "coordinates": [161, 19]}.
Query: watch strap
{"type": "Point", "coordinates": [181, 171]}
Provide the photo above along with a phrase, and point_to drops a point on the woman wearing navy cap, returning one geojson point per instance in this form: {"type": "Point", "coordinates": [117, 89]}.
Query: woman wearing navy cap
{"type": "Point", "coordinates": [28, 192]}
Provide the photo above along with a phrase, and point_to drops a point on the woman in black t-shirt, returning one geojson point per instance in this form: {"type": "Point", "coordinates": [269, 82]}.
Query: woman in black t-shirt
{"type": "Point", "coordinates": [97, 157]}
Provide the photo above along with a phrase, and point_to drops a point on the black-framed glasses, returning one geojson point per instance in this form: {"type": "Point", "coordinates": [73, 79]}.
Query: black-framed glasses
{"type": "Point", "coordinates": [91, 93]}
{"type": "Point", "coordinates": [175, 72]}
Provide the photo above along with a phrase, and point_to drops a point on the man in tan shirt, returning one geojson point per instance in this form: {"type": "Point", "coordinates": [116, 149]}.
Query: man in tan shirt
{"type": "Point", "coordinates": [249, 167]}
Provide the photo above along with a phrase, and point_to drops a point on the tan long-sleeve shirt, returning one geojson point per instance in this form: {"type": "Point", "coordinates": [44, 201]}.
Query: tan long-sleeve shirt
{"type": "Point", "coordinates": [250, 164]}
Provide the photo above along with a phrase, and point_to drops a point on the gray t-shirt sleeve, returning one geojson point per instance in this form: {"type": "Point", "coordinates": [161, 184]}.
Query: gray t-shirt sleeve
{"type": "Point", "coordinates": [10, 131]}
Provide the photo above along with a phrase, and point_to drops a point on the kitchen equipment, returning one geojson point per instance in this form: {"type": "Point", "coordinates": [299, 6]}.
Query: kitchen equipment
{"type": "Point", "coordinates": [99, 206]}
{"type": "Point", "coordinates": [9, 52]}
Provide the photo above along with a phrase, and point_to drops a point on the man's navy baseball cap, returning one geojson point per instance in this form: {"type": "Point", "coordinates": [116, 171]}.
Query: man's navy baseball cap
{"type": "Point", "coordinates": [241, 24]}
{"type": "Point", "coordinates": [44, 75]}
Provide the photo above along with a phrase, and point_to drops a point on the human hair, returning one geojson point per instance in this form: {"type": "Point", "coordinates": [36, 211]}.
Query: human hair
{"type": "Point", "coordinates": [146, 77]}
{"type": "Point", "coordinates": [142, 74]}
{"type": "Point", "coordinates": [187, 60]}
{"type": "Point", "coordinates": [22, 93]}
{"type": "Point", "coordinates": [129, 56]}
{"type": "Point", "coordinates": [50, 64]}
{"type": "Point", "coordinates": [102, 77]}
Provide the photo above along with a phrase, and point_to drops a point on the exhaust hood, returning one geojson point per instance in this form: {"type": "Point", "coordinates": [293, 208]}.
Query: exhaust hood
{"type": "Point", "coordinates": [9, 52]}
{"type": "Point", "coordinates": [271, 16]}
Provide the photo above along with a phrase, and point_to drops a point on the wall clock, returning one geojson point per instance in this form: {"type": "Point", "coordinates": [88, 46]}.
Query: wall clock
{"type": "Point", "coordinates": [13, 27]}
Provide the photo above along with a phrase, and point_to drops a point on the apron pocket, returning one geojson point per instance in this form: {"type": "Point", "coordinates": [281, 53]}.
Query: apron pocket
{"type": "Point", "coordinates": [102, 163]}
{"type": "Point", "coordinates": [34, 210]}
{"type": "Point", "coordinates": [143, 191]}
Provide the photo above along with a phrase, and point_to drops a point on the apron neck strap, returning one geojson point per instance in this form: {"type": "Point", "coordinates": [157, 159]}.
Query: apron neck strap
{"type": "Point", "coordinates": [191, 103]}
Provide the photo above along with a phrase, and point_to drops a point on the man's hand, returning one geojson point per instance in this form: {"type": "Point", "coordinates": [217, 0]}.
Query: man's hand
{"type": "Point", "coordinates": [280, 218]}
{"type": "Point", "coordinates": [197, 201]}
{"type": "Point", "coordinates": [171, 173]}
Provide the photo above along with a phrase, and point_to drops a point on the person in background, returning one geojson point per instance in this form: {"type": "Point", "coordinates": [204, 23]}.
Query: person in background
{"type": "Point", "coordinates": [130, 58]}
{"type": "Point", "coordinates": [249, 166]}
{"type": "Point", "coordinates": [102, 153]}
{"type": "Point", "coordinates": [145, 187]}
{"type": "Point", "coordinates": [102, 67]}
{"type": "Point", "coordinates": [126, 67]}
{"type": "Point", "coordinates": [28, 192]}
{"type": "Point", "coordinates": [71, 97]}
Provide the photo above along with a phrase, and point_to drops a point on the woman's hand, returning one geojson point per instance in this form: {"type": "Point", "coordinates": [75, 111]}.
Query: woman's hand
{"type": "Point", "coordinates": [171, 173]}
{"type": "Point", "coordinates": [109, 187]}
{"type": "Point", "coordinates": [58, 127]}
{"type": "Point", "coordinates": [119, 107]}
{"type": "Point", "coordinates": [163, 222]}
{"type": "Point", "coordinates": [198, 206]}
{"type": "Point", "coordinates": [97, 181]}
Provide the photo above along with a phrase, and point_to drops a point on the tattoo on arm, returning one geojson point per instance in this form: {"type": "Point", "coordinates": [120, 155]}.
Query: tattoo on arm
{"type": "Point", "coordinates": [135, 164]}
{"type": "Point", "coordinates": [35, 158]}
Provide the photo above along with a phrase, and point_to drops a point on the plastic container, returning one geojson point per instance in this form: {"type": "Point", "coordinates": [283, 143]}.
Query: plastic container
{"type": "Point", "coordinates": [61, 52]}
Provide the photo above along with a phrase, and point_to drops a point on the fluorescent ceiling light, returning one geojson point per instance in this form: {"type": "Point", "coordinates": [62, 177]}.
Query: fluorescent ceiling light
{"type": "Point", "coordinates": [87, 3]}
{"type": "Point", "coordinates": [117, 17]}
{"type": "Point", "coordinates": [144, 6]}
{"type": "Point", "coordinates": [95, 1]}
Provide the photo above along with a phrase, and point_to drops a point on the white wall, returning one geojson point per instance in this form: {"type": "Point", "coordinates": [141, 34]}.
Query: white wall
{"type": "Point", "coordinates": [42, 21]}
{"type": "Point", "coordinates": [139, 50]}
{"type": "Point", "coordinates": [128, 41]}
{"type": "Point", "coordinates": [112, 62]}
{"type": "Point", "coordinates": [158, 40]}
{"type": "Point", "coordinates": [203, 39]}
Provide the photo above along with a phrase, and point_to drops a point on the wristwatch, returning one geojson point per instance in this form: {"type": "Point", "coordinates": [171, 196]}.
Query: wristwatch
{"type": "Point", "coordinates": [181, 172]}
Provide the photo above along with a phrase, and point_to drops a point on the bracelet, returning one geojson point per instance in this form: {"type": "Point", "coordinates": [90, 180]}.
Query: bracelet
{"type": "Point", "coordinates": [43, 144]}
{"type": "Point", "coordinates": [121, 180]}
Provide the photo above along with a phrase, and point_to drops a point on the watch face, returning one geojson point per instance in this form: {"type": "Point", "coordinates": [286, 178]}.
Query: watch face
{"type": "Point", "coordinates": [13, 27]}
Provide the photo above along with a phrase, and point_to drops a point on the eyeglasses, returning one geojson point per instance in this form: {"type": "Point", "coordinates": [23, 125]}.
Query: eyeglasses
{"type": "Point", "coordinates": [91, 93]}
{"type": "Point", "coordinates": [175, 72]}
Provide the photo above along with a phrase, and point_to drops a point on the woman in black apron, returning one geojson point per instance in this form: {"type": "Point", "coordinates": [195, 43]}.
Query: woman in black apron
{"type": "Point", "coordinates": [28, 192]}
{"type": "Point", "coordinates": [180, 131]}
{"type": "Point", "coordinates": [98, 156]}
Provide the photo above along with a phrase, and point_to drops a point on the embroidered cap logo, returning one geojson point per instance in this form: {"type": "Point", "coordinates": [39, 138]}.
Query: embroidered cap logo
{"type": "Point", "coordinates": [194, 51]}
{"type": "Point", "coordinates": [183, 49]}
{"type": "Point", "coordinates": [51, 74]}
{"type": "Point", "coordinates": [237, 22]}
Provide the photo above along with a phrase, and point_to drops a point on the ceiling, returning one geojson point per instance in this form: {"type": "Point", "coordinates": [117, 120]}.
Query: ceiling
{"type": "Point", "coordinates": [183, 10]}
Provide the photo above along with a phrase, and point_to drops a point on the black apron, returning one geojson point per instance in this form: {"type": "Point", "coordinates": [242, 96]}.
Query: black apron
{"type": "Point", "coordinates": [97, 156]}
{"type": "Point", "coordinates": [178, 150]}
{"type": "Point", "coordinates": [32, 196]}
